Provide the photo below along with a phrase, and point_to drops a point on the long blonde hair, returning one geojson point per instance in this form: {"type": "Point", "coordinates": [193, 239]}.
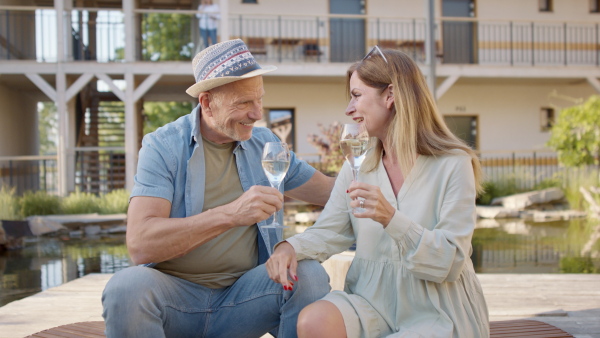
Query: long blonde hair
{"type": "Point", "coordinates": [417, 127]}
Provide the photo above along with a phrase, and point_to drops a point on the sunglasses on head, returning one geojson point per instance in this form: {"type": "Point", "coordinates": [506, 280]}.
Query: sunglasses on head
{"type": "Point", "coordinates": [377, 50]}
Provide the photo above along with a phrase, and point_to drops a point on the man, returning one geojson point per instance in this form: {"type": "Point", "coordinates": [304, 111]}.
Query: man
{"type": "Point", "coordinates": [199, 198]}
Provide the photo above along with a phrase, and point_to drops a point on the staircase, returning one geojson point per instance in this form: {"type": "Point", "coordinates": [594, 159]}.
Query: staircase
{"type": "Point", "coordinates": [101, 124]}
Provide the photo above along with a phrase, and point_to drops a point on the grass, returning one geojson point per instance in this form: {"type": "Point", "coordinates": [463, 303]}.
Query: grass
{"type": "Point", "coordinates": [9, 207]}
{"type": "Point", "coordinates": [40, 203]}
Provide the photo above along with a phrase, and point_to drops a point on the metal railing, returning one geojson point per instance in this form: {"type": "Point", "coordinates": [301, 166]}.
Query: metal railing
{"type": "Point", "coordinates": [526, 169]}
{"type": "Point", "coordinates": [29, 173]}
{"type": "Point", "coordinates": [96, 34]}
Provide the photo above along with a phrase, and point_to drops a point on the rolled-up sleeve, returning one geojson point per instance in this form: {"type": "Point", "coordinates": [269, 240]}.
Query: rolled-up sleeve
{"type": "Point", "coordinates": [155, 172]}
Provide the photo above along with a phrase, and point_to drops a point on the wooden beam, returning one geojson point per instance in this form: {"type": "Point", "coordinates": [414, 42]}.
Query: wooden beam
{"type": "Point", "coordinates": [443, 88]}
{"type": "Point", "coordinates": [145, 86]}
{"type": "Point", "coordinates": [42, 85]}
{"type": "Point", "coordinates": [118, 92]}
{"type": "Point", "coordinates": [77, 85]}
{"type": "Point", "coordinates": [594, 83]}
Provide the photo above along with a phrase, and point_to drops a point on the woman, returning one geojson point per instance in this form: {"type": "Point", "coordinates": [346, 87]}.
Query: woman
{"type": "Point", "coordinates": [412, 275]}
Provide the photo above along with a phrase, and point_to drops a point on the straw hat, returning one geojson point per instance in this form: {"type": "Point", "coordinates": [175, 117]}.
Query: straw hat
{"type": "Point", "coordinates": [223, 63]}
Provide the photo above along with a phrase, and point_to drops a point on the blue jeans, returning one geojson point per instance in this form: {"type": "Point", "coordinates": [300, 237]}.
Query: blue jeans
{"type": "Point", "coordinates": [208, 33]}
{"type": "Point", "coordinates": [144, 302]}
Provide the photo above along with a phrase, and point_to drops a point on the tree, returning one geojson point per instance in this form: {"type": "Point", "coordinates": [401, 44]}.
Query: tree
{"type": "Point", "coordinates": [576, 134]}
{"type": "Point", "coordinates": [47, 127]}
{"type": "Point", "coordinates": [328, 147]}
{"type": "Point", "coordinates": [167, 37]}
{"type": "Point", "coordinates": [157, 114]}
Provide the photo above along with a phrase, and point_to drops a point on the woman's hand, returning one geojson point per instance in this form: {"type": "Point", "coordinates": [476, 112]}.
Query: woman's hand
{"type": "Point", "coordinates": [372, 201]}
{"type": "Point", "coordinates": [283, 262]}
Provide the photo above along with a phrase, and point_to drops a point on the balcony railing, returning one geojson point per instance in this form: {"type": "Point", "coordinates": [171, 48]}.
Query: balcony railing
{"type": "Point", "coordinates": [29, 173]}
{"type": "Point", "coordinates": [99, 35]}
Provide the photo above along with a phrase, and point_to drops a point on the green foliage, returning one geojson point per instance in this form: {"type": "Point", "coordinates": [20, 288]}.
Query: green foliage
{"type": "Point", "coordinates": [502, 187]}
{"type": "Point", "coordinates": [576, 134]}
{"type": "Point", "coordinates": [572, 179]}
{"type": "Point", "coordinates": [577, 265]}
{"type": "Point", "coordinates": [115, 202]}
{"type": "Point", "coordinates": [157, 114]}
{"type": "Point", "coordinates": [80, 203]}
{"type": "Point", "coordinates": [167, 37]}
{"type": "Point", "coordinates": [9, 206]}
{"type": "Point", "coordinates": [553, 182]}
{"type": "Point", "coordinates": [38, 203]}
{"type": "Point", "coordinates": [328, 147]}
{"type": "Point", "coordinates": [47, 127]}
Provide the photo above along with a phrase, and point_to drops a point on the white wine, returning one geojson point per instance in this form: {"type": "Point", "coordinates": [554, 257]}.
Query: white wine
{"type": "Point", "coordinates": [275, 171]}
{"type": "Point", "coordinates": [354, 151]}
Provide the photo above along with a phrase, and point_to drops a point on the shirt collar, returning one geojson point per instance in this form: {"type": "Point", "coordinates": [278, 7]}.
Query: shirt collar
{"type": "Point", "coordinates": [195, 133]}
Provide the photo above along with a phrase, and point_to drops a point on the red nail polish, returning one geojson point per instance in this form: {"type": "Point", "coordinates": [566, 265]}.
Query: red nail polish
{"type": "Point", "coordinates": [347, 191]}
{"type": "Point", "coordinates": [295, 278]}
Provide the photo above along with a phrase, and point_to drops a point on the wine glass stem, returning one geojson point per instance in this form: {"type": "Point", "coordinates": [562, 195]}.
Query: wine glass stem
{"type": "Point", "coordinates": [276, 186]}
{"type": "Point", "coordinates": [355, 174]}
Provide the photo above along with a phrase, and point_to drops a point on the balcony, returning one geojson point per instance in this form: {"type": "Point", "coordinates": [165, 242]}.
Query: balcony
{"type": "Point", "coordinates": [99, 35]}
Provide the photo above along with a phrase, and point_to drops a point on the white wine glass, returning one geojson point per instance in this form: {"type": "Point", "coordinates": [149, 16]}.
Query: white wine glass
{"type": "Point", "coordinates": [275, 163]}
{"type": "Point", "coordinates": [354, 143]}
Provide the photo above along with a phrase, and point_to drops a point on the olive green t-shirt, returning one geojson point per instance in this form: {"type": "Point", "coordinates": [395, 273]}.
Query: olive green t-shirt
{"type": "Point", "coordinates": [221, 261]}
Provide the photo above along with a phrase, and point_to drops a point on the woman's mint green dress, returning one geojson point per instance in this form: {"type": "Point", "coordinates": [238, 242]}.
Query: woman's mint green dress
{"type": "Point", "coordinates": [414, 278]}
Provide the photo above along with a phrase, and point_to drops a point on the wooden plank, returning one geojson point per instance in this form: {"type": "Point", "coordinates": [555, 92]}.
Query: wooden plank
{"type": "Point", "coordinates": [502, 329]}
{"type": "Point", "coordinates": [75, 330]}
{"type": "Point", "coordinates": [525, 328]}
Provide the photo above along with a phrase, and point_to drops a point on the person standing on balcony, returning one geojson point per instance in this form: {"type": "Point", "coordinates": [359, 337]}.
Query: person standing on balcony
{"type": "Point", "coordinates": [208, 20]}
{"type": "Point", "coordinates": [412, 273]}
{"type": "Point", "coordinates": [200, 195]}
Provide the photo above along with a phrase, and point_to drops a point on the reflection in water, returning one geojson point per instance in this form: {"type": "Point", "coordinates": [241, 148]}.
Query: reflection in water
{"type": "Point", "coordinates": [516, 246]}
{"type": "Point", "coordinates": [499, 246]}
{"type": "Point", "coordinates": [47, 262]}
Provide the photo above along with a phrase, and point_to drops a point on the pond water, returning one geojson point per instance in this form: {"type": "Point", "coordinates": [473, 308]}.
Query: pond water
{"type": "Point", "coordinates": [507, 246]}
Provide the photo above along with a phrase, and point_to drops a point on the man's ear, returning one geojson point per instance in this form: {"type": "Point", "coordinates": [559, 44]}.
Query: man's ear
{"type": "Point", "coordinates": [204, 100]}
{"type": "Point", "coordinates": [389, 99]}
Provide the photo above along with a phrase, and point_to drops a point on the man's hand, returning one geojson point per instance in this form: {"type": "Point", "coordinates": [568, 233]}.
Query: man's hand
{"type": "Point", "coordinates": [255, 205]}
{"type": "Point", "coordinates": [282, 263]}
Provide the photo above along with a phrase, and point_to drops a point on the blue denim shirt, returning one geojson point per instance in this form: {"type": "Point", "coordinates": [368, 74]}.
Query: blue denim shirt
{"type": "Point", "coordinates": [174, 150]}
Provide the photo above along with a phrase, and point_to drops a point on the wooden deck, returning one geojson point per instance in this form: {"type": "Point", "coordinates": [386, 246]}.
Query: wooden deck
{"type": "Point", "coordinates": [525, 328]}
{"type": "Point", "coordinates": [569, 302]}
{"type": "Point", "coordinates": [501, 329]}
{"type": "Point", "coordinates": [82, 329]}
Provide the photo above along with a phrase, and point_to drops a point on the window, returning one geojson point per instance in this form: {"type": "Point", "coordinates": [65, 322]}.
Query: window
{"type": "Point", "coordinates": [546, 118]}
{"type": "Point", "coordinates": [281, 122]}
{"type": "Point", "coordinates": [249, 1]}
{"type": "Point", "coordinates": [545, 5]}
{"type": "Point", "coordinates": [594, 6]}
{"type": "Point", "coordinates": [464, 127]}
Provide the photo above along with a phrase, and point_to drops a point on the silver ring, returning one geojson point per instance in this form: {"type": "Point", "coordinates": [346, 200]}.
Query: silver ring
{"type": "Point", "coordinates": [362, 204]}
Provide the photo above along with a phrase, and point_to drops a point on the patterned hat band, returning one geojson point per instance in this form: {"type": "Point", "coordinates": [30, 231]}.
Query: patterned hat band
{"type": "Point", "coordinates": [224, 63]}
{"type": "Point", "coordinates": [236, 62]}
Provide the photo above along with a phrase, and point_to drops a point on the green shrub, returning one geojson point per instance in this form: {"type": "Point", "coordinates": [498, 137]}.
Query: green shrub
{"type": "Point", "coordinates": [80, 203]}
{"type": "Point", "coordinates": [9, 204]}
{"type": "Point", "coordinates": [500, 188]}
{"type": "Point", "coordinates": [573, 179]}
{"type": "Point", "coordinates": [554, 182]}
{"type": "Point", "coordinates": [577, 265]}
{"type": "Point", "coordinates": [38, 203]}
{"type": "Point", "coordinates": [115, 202]}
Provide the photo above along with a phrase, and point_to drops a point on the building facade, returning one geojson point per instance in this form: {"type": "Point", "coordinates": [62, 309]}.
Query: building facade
{"type": "Point", "coordinates": [502, 69]}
